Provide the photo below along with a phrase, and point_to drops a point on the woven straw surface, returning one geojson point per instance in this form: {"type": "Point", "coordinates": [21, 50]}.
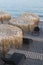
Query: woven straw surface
{"type": "Point", "coordinates": [10, 35]}
{"type": "Point", "coordinates": [4, 16]}
{"type": "Point", "coordinates": [23, 24]}
{"type": "Point", "coordinates": [31, 17]}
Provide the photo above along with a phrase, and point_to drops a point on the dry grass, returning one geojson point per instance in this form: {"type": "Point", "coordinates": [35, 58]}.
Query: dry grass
{"type": "Point", "coordinates": [31, 17]}
{"type": "Point", "coordinates": [10, 35]}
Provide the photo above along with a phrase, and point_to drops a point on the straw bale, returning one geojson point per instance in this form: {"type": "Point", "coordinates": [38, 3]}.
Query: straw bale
{"type": "Point", "coordinates": [23, 24]}
{"type": "Point", "coordinates": [20, 23]}
{"type": "Point", "coordinates": [7, 17]}
{"type": "Point", "coordinates": [10, 35]}
{"type": "Point", "coordinates": [4, 16]}
{"type": "Point", "coordinates": [31, 17]}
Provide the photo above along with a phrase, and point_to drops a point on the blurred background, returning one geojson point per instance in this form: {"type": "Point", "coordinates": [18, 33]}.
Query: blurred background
{"type": "Point", "coordinates": [17, 7]}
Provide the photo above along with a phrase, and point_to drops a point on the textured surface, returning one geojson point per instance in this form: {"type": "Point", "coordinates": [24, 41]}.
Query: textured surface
{"type": "Point", "coordinates": [4, 16]}
{"type": "Point", "coordinates": [23, 24]}
{"type": "Point", "coordinates": [31, 17]}
{"type": "Point", "coordinates": [10, 35]}
{"type": "Point", "coordinates": [33, 51]}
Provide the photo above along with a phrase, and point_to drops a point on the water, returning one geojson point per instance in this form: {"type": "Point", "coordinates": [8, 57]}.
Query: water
{"type": "Point", "coordinates": [17, 7]}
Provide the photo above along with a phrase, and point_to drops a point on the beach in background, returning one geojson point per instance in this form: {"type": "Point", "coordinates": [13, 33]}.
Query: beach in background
{"type": "Point", "coordinates": [17, 7]}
